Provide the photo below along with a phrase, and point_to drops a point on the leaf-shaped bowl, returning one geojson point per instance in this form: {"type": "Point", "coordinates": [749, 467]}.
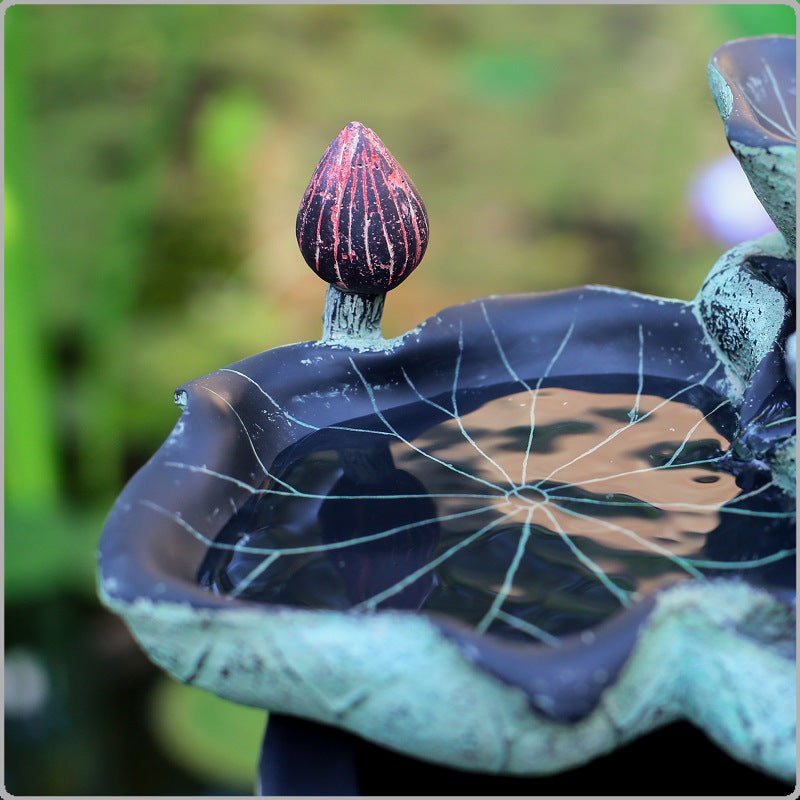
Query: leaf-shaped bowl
{"type": "Point", "coordinates": [497, 545]}
{"type": "Point", "coordinates": [755, 87]}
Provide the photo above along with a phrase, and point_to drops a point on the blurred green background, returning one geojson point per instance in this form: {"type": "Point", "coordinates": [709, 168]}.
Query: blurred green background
{"type": "Point", "coordinates": [155, 159]}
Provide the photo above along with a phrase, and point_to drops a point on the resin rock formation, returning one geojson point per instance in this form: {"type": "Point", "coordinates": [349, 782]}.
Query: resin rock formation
{"type": "Point", "coordinates": [518, 536]}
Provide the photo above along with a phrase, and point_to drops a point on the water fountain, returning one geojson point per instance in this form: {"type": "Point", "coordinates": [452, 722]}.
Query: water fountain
{"type": "Point", "coordinates": [514, 538]}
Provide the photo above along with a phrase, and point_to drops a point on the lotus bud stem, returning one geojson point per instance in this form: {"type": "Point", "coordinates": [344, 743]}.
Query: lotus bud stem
{"type": "Point", "coordinates": [349, 315]}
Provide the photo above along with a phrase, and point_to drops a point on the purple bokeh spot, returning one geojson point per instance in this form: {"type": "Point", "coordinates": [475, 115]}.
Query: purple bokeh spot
{"type": "Point", "coordinates": [723, 203]}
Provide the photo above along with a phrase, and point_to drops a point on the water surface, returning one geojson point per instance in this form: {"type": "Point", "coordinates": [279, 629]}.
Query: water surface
{"type": "Point", "coordinates": [535, 515]}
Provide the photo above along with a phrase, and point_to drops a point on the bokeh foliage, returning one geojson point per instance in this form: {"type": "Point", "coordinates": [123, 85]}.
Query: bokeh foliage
{"type": "Point", "coordinates": [155, 158]}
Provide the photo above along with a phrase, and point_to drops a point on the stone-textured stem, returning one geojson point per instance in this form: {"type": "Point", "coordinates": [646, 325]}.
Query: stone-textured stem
{"type": "Point", "coordinates": [351, 318]}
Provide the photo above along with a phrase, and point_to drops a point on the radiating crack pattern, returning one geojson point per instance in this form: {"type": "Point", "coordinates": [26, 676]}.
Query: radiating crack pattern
{"type": "Point", "coordinates": [535, 514]}
{"type": "Point", "coordinates": [764, 93]}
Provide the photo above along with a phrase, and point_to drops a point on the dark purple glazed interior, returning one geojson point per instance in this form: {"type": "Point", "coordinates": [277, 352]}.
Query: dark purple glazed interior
{"type": "Point", "coordinates": [761, 74]}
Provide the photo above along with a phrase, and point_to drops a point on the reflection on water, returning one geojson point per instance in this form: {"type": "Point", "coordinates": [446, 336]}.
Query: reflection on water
{"type": "Point", "coordinates": [536, 515]}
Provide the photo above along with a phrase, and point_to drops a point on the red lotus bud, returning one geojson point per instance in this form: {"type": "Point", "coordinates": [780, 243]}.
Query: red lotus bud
{"type": "Point", "coordinates": [362, 225]}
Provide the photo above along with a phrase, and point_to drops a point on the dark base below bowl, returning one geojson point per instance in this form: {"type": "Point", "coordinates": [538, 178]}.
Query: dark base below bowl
{"type": "Point", "coordinates": [305, 758]}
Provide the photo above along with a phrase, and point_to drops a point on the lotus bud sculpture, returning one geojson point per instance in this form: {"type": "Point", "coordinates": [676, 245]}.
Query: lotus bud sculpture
{"type": "Point", "coordinates": [519, 536]}
{"type": "Point", "coordinates": [363, 228]}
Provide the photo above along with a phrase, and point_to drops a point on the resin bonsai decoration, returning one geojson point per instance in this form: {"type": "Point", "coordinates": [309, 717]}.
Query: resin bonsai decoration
{"type": "Point", "coordinates": [363, 228]}
{"type": "Point", "coordinates": [527, 531]}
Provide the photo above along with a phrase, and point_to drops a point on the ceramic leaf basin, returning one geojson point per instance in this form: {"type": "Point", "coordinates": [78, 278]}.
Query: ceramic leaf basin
{"type": "Point", "coordinates": [279, 630]}
{"type": "Point", "coordinates": [518, 536]}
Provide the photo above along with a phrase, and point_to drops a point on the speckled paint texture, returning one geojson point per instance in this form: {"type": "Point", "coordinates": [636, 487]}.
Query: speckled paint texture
{"type": "Point", "coordinates": [741, 313]}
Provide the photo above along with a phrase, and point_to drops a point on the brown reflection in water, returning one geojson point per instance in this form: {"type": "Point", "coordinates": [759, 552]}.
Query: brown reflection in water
{"type": "Point", "coordinates": [583, 442]}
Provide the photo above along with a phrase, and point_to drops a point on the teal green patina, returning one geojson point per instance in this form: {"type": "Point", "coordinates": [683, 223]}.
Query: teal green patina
{"type": "Point", "coordinates": [784, 465]}
{"type": "Point", "coordinates": [394, 679]}
{"type": "Point", "coordinates": [741, 313]}
{"type": "Point", "coordinates": [353, 320]}
{"type": "Point", "coordinates": [773, 176]}
{"type": "Point", "coordinates": [720, 91]}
